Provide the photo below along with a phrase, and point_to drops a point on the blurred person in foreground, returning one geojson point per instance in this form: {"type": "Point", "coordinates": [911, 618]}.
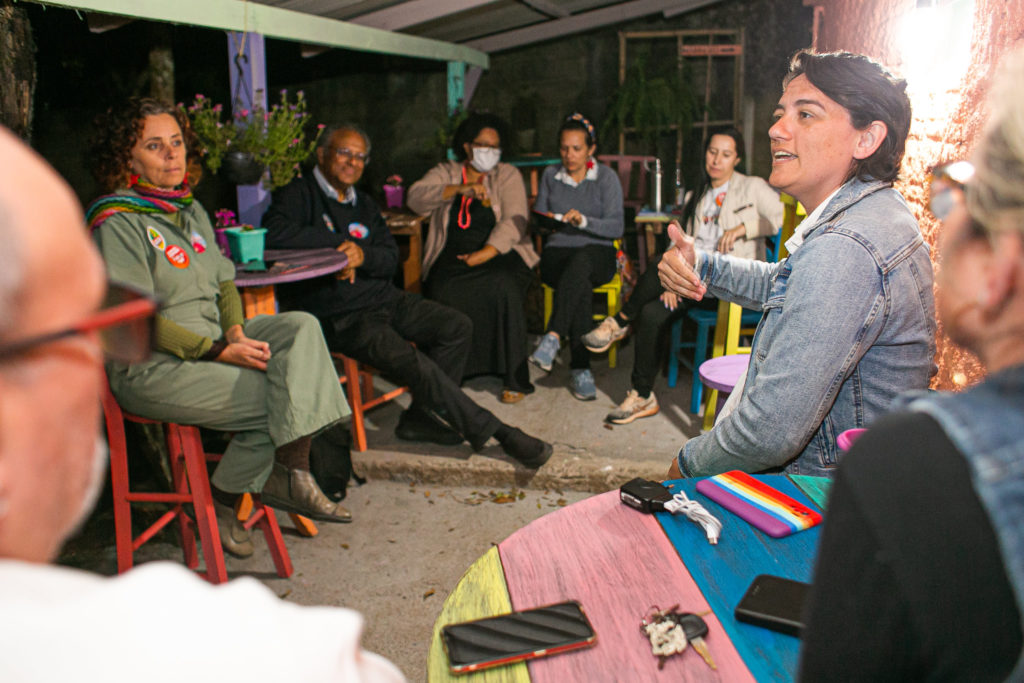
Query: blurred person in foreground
{"type": "Point", "coordinates": [920, 572]}
{"type": "Point", "coordinates": [66, 624]}
{"type": "Point", "coordinates": [849, 317]}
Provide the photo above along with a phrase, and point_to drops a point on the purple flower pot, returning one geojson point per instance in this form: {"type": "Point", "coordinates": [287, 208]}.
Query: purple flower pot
{"type": "Point", "coordinates": [222, 241]}
{"type": "Point", "coordinates": [394, 196]}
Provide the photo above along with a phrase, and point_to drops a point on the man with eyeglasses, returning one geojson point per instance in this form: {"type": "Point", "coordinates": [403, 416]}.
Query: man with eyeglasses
{"type": "Point", "coordinates": [366, 317]}
{"type": "Point", "coordinates": [64, 624]}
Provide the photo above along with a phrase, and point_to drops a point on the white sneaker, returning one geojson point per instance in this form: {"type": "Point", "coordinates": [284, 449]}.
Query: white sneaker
{"type": "Point", "coordinates": [604, 335]}
{"type": "Point", "coordinates": [633, 408]}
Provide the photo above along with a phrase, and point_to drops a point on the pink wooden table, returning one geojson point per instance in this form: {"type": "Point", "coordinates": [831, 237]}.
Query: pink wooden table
{"type": "Point", "coordinates": [618, 563]}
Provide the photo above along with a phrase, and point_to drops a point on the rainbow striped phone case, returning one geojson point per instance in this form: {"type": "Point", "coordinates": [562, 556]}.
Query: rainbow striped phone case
{"type": "Point", "coordinates": [768, 509]}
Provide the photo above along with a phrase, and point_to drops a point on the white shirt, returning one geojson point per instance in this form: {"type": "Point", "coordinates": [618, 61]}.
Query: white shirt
{"type": "Point", "coordinates": [330, 191]}
{"type": "Point", "coordinates": [709, 231]}
{"type": "Point", "coordinates": [794, 242]}
{"type": "Point", "coordinates": [160, 622]}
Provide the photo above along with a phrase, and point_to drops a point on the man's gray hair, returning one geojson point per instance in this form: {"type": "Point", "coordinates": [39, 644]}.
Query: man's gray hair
{"type": "Point", "coordinates": [995, 195]}
{"type": "Point", "coordinates": [12, 272]}
{"type": "Point", "coordinates": [329, 131]}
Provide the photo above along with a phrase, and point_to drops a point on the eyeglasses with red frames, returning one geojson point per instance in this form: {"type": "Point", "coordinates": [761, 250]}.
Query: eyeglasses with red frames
{"type": "Point", "coordinates": [124, 323]}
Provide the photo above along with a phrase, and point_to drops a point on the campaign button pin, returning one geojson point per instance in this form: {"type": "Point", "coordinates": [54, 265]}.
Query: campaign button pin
{"type": "Point", "coordinates": [358, 230]}
{"type": "Point", "coordinates": [155, 238]}
{"type": "Point", "coordinates": [198, 243]}
{"type": "Point", "coordinates": [177, 256]}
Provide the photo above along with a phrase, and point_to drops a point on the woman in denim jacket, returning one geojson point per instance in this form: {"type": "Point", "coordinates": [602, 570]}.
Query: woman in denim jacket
{"type": "Point", "coordinates": [849, 316]}
{"type": "Point", "coordinates": [931, 497]}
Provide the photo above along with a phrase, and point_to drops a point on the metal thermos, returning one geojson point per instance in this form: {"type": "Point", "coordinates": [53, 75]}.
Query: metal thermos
{"type": "Point", "coordinates": [657, 186]}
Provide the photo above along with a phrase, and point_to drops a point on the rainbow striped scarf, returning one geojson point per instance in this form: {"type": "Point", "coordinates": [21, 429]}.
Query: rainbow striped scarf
{"type": "Point", "coordinates": [151, 199]}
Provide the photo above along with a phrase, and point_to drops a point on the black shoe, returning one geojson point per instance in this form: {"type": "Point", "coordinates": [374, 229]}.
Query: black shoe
{"type": "Point", "coordinates": [529, 451]}
{"type": "Point", "coordinates": [416, 425]}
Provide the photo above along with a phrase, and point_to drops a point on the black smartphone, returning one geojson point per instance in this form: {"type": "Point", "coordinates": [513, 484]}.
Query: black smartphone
{"type": "Point", "coordinates": [774, 602]}
{"type": "Point", "coordinates": [507, 638]}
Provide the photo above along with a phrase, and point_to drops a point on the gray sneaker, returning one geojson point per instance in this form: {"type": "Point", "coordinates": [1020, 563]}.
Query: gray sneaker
{"type": "Point", "coordinates": [633, 408]}
{"type": "Point", "coordinates": [547, 348]}
{"type": "Point", "coordinates": [581, 384]}
{"type": "Point", "coordinates": [604, 335]}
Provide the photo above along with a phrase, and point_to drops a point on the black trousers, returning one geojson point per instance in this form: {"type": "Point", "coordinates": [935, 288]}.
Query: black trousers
{"type": "Point", "coordinates": [573, 272]}
{"type": "Point", "coordinates": [650, 320]}
{"type": "Point", "coordinates": [432, 369]}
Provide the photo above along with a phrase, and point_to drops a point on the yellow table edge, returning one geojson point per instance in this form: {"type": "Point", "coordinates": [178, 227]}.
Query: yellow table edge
{"type": "Point", "coordinates": [485, 579]}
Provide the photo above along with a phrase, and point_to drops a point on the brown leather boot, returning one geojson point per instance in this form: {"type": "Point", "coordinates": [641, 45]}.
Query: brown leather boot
{"type": "Point", "coordinates": [235, 538]}
{"type": "Point", "coordinates": [296, 491]}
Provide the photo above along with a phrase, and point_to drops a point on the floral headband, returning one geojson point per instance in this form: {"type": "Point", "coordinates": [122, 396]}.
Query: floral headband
{"type": "Point", "coordinates": [586, 124]}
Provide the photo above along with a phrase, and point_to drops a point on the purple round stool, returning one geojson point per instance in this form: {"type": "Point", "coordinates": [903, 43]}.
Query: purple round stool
{"type": "Point", "coordinates": [722, 373]}
{"type": "Point", "coordinates": [845, 439]}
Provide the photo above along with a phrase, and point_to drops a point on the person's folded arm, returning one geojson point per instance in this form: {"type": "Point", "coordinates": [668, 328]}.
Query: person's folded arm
{"type": "Point", "coordinates": [510, 195]}
{"type": "Point", "coordinates": [380, 252]}
{"type": "Point", "coordinates": [170, 337]}
{"type": "Point", "coordinates": [229, 303]}
{"type": "Point", "coordinates": [291, 222]}
{"type": "Point", "coordinates": [610, 223]}
{"type": "Point", "coordinates": [427, 193]}
{"type": "Point", "coordinates": [829, 319]}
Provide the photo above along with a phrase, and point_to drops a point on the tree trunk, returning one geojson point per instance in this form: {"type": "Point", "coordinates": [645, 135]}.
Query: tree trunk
{"type": "Point", "coordinates": [17, 70]}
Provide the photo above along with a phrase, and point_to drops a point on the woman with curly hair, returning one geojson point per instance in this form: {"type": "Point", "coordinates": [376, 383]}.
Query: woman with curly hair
{"type": "Point", "coordinates": [478, 253]}
{"type": "Point", "coordinates": [268, 379]}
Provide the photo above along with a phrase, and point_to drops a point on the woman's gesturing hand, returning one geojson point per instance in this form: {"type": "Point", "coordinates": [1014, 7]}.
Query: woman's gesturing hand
{"type": "Point", "coordinates": [243, 351]}
{"type": "Point", "coordinates": [676, 268]}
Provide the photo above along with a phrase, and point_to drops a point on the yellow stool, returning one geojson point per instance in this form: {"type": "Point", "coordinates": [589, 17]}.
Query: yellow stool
{"type": "Point", "coordinates": [611, 290]}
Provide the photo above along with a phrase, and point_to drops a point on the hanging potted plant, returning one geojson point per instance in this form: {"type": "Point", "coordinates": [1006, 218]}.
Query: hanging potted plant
{"type": "Point", "coordinates": [648, 104]}
{"type": "Point", "coordinates": [254, 143]}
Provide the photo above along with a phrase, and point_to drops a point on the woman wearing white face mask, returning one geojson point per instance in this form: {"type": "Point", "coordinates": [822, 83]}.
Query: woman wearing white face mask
{"type": "Point", "coordinates": [478, 255]}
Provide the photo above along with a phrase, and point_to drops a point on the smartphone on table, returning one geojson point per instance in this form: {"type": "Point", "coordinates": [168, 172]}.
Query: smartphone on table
{"type": "Point", "coordinates": [515, 637]}
{"type": "Point", "coordinates": [775, 603]}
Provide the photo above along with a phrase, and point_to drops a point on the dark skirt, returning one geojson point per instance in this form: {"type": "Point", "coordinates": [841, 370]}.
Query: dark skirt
{"type": "Point", "coordinates": [493, 295]}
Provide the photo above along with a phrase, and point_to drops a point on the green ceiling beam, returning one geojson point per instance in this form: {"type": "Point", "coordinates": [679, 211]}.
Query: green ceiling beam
{"type": "Point", "coordinates": [238, 15]}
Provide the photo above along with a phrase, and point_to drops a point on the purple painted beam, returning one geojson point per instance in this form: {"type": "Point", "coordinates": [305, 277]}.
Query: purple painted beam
{"type": "Point", "coordinates": [248, 71]}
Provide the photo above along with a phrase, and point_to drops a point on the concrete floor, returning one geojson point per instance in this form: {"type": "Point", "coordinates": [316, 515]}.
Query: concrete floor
{"type": "Point", "coordinates": [428, 512]}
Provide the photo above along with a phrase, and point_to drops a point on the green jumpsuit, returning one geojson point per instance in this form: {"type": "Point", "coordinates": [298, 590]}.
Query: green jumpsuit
{"type": "Point", "coordinates": [175, 258]}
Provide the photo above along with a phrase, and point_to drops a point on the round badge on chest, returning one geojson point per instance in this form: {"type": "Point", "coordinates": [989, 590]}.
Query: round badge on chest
{"type": "Point", "coordinates": [358, 230]}
{"type": "Point", "coordinates": [177, 256]}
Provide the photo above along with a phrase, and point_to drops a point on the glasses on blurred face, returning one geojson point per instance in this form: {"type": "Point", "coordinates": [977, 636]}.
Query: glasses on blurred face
{"type": "Point", "coordinates": [945, 178]}
{"type": "Point", "coordinates": [124, 323]}
{"type": "Point", "coordinates": [345, 154]}
{"type": "Point", "coordinates": [484, 145]}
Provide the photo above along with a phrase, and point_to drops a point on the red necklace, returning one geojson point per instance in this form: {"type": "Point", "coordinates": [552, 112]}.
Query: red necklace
{"type": "Point", "coordinates": [463, 218]}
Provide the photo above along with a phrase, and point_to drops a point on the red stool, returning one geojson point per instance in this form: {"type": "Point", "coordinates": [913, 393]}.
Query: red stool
{"type": "Point", "coordinates": [358, 383]}
{"type": "Point", "coordinates": [191, 485]}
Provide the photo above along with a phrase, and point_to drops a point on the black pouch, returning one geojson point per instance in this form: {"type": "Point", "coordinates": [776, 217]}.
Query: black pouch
{"type": "Point", "coordinates": [330, 461]}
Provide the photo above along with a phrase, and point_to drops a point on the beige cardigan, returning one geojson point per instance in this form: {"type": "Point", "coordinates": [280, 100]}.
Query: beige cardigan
{"type": "Point", "coordinates": [752, 202]}
{"type": "Point", "coordinates": [505, 188]}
